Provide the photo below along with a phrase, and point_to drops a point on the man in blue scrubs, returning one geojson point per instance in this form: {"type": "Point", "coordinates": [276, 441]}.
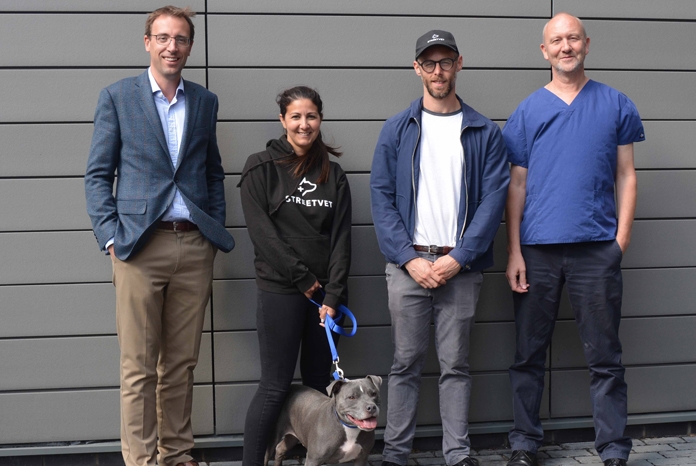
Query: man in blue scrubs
{"type": "Point", "coordinates": [570, 145]}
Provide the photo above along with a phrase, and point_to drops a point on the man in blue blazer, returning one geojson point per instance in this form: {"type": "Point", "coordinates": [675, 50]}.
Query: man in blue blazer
{"type": "Point", "coordinates": [162, 228]}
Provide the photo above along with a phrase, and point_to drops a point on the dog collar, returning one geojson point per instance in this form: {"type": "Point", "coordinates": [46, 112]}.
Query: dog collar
{"type": "Point", "coordinates": [341, 421]}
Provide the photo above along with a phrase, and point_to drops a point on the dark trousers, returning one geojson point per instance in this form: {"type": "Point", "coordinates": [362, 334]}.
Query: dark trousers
{"type": "Point", "coordinates": [285, 323]}
{"type": "Point", "coordinates": [592, 274]}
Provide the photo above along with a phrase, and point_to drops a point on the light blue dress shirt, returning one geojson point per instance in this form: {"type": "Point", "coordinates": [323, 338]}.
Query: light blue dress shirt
{"type": "Point", "coordinates": [172, 116]}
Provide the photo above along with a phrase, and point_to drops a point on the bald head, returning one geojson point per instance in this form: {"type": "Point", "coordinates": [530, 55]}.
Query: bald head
{"type": "Point", "coordinates": [565, 46]}
{"type": "Point", "coordinates": [565, 21]}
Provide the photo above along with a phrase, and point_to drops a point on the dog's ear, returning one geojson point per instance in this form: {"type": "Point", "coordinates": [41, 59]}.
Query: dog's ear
{"type": "Point", "coordinates": [334, 387]}
{"type": "Point", "coordinates": [376, 380]}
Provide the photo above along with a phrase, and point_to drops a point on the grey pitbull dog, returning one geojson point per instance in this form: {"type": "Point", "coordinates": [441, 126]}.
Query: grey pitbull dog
{"type": "Point", "coordinates": [334, 429]}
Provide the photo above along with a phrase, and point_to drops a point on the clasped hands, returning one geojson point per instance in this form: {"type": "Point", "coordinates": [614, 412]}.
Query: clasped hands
{"type": "Point", "coordinates": [432, 274]}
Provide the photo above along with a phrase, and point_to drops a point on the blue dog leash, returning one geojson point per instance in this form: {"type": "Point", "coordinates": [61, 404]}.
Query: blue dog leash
{"type": "Point", "coordinates": [330, 325]}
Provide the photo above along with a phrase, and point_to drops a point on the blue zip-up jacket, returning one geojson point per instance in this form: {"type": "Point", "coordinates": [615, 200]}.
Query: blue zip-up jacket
{"type": "Point", "coordinates": [394, 184]}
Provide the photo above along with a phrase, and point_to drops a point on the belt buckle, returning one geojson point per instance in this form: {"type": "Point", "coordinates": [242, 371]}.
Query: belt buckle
{"type": "Point", "coordinates": [175, 225]}
{"type": "Point", "coordinates": [432, 249]}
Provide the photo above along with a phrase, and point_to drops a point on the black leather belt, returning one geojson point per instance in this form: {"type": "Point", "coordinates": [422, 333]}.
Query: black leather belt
{"type": "Point", "coordinates": [432, 249]}
{"type": "Point", "coordinates": [177, 226]}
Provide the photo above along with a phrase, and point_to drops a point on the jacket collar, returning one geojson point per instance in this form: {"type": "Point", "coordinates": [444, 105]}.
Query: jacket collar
{"type": "Point", "coordinates": [470, 117]}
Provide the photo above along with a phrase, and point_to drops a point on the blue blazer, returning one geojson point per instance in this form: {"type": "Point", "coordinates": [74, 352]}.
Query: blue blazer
{"type": "Point", "coordinates": [128, 139]}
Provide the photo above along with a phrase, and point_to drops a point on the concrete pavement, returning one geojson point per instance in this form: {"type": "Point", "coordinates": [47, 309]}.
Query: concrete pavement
{"type": "Point", "coordinates": [678, 450]}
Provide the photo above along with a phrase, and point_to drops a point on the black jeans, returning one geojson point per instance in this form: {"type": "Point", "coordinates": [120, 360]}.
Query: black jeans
{"type": "Point", "coordinates": [592, 274]}
{"type": "Point", "coordinates": [285, 323]}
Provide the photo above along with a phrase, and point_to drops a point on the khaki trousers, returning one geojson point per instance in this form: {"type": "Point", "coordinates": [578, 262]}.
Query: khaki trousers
{"type": "Point", "coordinates": [161, 295]}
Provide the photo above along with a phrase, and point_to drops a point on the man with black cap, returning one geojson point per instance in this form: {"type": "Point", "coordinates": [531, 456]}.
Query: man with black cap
{"type": "Point", "coordinates": [438, 184]}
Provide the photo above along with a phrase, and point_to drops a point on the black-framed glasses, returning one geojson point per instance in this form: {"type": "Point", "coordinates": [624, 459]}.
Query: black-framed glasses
{"type": "Point", "coordinates": [428, 66]}
{"type": "Point", "coordinates": [181, 41]}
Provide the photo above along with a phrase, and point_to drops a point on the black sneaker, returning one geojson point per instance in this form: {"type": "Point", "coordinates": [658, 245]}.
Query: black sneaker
{"type": "Point", "coordinates": [523, 458]}
{"type": "Point", "coordinates": [615, 462]}
{"type": "Point", "coordinates": [468, 461]}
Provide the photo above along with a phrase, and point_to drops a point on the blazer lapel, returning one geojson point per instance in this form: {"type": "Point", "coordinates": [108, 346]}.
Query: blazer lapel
{"type": "Point", "coordinates": [148, 105]}
{"type": "Point", "coordinates": [192, 103]}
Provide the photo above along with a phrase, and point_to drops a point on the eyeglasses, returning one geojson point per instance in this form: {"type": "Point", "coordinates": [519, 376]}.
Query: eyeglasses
{"type": "Point", "coordinates": [428, 66]}
{"type": "Point", "coordinates": [181, 41]}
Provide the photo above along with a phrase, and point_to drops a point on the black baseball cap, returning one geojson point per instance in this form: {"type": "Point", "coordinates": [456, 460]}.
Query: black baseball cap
{"type": "Point", "coordinates": [435, 37]}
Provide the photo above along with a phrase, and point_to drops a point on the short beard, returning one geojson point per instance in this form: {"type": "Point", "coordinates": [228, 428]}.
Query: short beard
{"type": "Point", "coordinates": [578, 66]}
{"type": "Point", "coordinates": [444, 93]}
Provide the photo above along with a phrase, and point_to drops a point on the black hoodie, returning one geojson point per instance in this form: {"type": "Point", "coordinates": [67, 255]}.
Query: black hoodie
{"type": "Point", "coordinates": [300, 229]}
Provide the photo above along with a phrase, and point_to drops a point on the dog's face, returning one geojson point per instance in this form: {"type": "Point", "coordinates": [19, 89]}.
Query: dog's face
{"type": "Point", "coordinates": [357, 401]}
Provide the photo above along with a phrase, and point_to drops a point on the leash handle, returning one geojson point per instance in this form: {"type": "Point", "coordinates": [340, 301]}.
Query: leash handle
{"type": "Point", "coordinates": [330, 322]}
{"type": "Point", "coordinates": [330, 325]}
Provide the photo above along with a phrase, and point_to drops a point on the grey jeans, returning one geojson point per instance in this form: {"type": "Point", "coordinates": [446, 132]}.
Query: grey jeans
{"type": "Point", "coordinates": [451, 307]}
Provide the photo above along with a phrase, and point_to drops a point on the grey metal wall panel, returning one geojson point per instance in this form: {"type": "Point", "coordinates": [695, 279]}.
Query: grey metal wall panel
{"type": "Point", "coordinates": [238, 140]}
{"type": "Point", "coordinates": [235, 215]}
{"type": "Point", "coordinates": [45, 150]}
{"type": "Point", "coordinates": [491, 400]}
{"type": "Point", "coordinates": [660, 192]}
{"type": "Point", "coordinates": [236, 357]}
{"type": "Point", "coordinates": [59, 363]}
{"type": "Point", "coordinates": [31, 258]}
{"type": "Point", "coordinates": [367, 298]}
{"type": "Point", "coordinates": [516, 41]}
{"type": "Point", "coordinates": [657, 94]}
{"type": "Point", "coordinates": [43, 204]}
{"type": "Point", "coordinates": [664, 9]}
{"type": "Point", "coordinates": [231, 405]}
{"type": "Point", "coordinates": [668, 144]}
{"type": "Point", "coordinates": [144, 6]}
{"type": "Point", "coordinates": [41, 257]}
{"type": "Point", "coordinates": [495, 93]}
{"type": "Point", "coordinates": [101, 31]}
{"type": "Point", "coordinates": [388, 7]}
{"type": "Point", "coordinates": [654, 340]}
{"type": "Point", "coordinates": [652, 244]}
{"type": "Point", "coordinates": [57, 416]}
{"type": "Point", "coordinates": [360, 192]}
{"type": "Point", "coordinates": [370, 351]}
{"type": "Point", "coordinates": [234, 302]}
{"type": "Point", "coordinates": [359, 188]}
{"type": "Point", "coordinates": [650, 390]}
{"type": "Point", "coordinates": [495, 299]}
{"type": "Point", "coordinates": [639, 45]}
{"type": "Point", "coordinates": [653, 292]}
{"type": "Point", "coordinates": [492, 348]}
{"type": "Point", "coordinates": [79, 362]}
{"type": "Point", "coordinates": [64, 94]}
{"type": "Point", "coordinates": [240, 262]}
{"type": "Point", "coordinates": [72, 309]}
{"type": "Point", "coordinates": [366, 259]}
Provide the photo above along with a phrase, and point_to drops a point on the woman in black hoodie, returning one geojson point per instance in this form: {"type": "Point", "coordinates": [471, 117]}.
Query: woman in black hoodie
{"type": "Point", "coordinates": [297, 207]}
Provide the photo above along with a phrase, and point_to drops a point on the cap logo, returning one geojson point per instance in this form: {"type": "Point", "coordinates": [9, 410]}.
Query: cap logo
{"type": "Point", "coordinates": [435, 37]}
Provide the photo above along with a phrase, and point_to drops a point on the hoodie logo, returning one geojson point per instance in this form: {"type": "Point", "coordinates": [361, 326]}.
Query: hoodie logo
{"type": "Point", "coordinates": [304, 191]}
{"type": "Point", "coordinates": [306, 187]}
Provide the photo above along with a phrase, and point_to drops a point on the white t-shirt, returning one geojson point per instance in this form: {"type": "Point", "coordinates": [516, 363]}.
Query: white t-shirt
{"type": "Point", "coordinates": [440, 180]}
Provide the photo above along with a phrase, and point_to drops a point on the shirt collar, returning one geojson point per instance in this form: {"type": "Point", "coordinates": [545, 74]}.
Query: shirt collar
{"type": "Point", "coordinates": [155, 87]}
